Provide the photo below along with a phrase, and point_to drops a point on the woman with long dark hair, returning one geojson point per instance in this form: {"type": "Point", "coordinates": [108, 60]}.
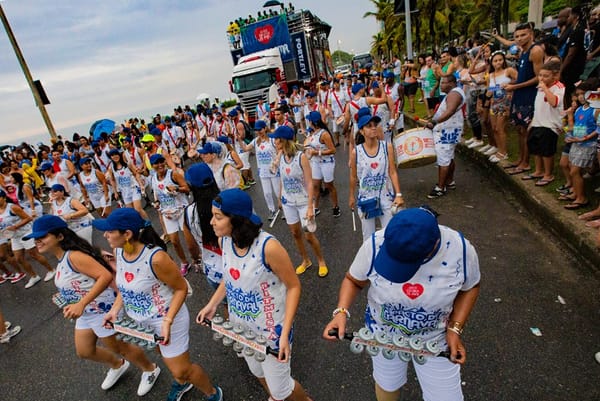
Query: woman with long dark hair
{"type": "Point", "coordinates": [126, 181]}
{"type": "Point", "coordinates": [320, 149]}
{"type": "Point", "coordinates": [83, 280]}
{"type": "Point", "coordinates": [256, 263]}
{"type": "Point", "coordinates": [152, 292]}
{"type": "Point", "coordinates": [72, 211]}
{"type": "Point", "coordinates": [200, 237]}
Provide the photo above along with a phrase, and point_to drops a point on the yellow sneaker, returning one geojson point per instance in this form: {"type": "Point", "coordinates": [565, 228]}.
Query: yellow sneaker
{"type": "Point", "coordinates": [323, 271]}
{"type": "Point", "coordinates": [303, 266]}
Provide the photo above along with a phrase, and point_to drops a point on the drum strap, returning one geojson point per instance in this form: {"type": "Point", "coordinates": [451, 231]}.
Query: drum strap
{"type": "Point", "coordinates": [338, 102]}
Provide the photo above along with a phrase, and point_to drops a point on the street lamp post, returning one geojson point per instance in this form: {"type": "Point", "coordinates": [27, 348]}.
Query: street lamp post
{"type": "Point", "coordinates": [36, 94]}
{"type": "Point", "coordinates": [339, 42]}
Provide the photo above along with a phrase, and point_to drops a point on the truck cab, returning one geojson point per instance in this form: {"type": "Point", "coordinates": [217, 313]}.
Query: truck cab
{"type": "Point", "coordinates": [256, 76]}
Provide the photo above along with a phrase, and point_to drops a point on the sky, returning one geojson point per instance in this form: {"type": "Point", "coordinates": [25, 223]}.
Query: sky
{"type": "Point", "coordinates": [110, 58]}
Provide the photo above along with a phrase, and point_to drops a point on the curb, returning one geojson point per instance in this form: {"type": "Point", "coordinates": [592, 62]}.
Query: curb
{"type": "Point", "coordinates": [563, 224]}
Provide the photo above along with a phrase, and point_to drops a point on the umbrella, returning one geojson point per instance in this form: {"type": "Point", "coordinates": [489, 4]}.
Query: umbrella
{"type": "Point", "coordinates": [101, 126]}
{"type": "Point", "coordinates": [272, 3]}
{"type": "Point", "coordinates": [203, 96]}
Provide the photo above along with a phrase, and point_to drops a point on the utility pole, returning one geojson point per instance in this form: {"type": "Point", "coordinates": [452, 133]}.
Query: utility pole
{"type": "Point", "coordinates": [407, 19]}
{"type": "Point", "coordinates": [34, 90]}
{"type": "Point", "coordinates": [536, 9]}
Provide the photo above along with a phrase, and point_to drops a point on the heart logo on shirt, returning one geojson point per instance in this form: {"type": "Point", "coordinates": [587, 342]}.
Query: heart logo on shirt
{"type": "Point", "coordinates": [374, 165]}
{"type": "Point", "coordinates": [161, 186]}
{"type": "Point", "coordinates": [262, 147]}
{"type": "Point", "coordinates": [88, 179]}
{"type": "Point", "coordinates": [287, 170]}
{"type": "Point", "coordinates": [128, 276]}
{"type": "Point", "coordinates": [413, 291]}
{"type": "Point", "coordinates": [122, 172]}
{"type": "Point", "coordinates": [59, 211]}
{"type": "Point", "coordinates": [235, 273]}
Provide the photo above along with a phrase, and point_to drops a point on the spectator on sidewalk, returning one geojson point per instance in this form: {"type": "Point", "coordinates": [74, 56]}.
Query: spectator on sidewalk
{"type": "Point", "coordinates": [575, 57]}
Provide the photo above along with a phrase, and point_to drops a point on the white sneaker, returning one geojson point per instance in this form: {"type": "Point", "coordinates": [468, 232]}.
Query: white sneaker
{"type": "Point", "coordinates": [33, 281]}
{"type": "Point", "coordinates": [7, 324]}
{"type": "Point", "coordinates": [484, 149]}
{"type": "Point", "coordinates": [495, 158]}
{"type": "Point", "coordinates": [113, 375]}
{"type": "Point", "coordinates": [50, 275]}
{"type": "Point", "coordinates": [597, 356]}
{"type": "Point", "coordinates": [147, 381]}
{"type": "Point", "coordinates": [470, 141]}
{"type": "Point", "coordinates": [475, 144]}
{"type": "Point", "coordinates": [9, 333]}
{"type": "Point", "coordinates": [491, 151]}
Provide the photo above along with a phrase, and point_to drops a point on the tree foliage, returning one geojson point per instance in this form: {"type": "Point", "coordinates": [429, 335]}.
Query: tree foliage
{"type": "Point", "coordinates": [340, 57]}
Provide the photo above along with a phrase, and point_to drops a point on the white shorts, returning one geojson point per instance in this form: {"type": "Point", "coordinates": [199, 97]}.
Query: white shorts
{"type": "Point", "coordinates": [245, 158]}
{"type": "Point", "coordinates": [298, 117]}
{"type": "Point", "coordinates": [323, 171]}
{"type": "Point", "coordinates": [444, 153]}
{"type": "Point", "coordinates": [439, 378]}
{"type": "Point", "coordinates": [180, 333]}
{"type": "Point", "coordinates": [86, 233]}
{"type": "Point", "coordinates": [278, 375]}
{"type": "Point", "coordinates": [94, 321]}
{"type": "Point", "coordinates": [98, 201]}
{"type": "Point", "coordinates": [17, 243]}
{"type": "Point", "coordinates": [294, 214]}
{"type": "Point", "coordinates": [175, 224]}
{"type": "Point", "coordinates": [131, 194]}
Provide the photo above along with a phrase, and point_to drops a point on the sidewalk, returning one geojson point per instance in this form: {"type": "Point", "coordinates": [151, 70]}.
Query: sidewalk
{"type": "Point", "coordinates": [563, 223]}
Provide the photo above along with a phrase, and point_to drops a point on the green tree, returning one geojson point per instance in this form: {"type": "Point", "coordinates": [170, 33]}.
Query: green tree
{"type": "Point", "coordinates": [340, 57]}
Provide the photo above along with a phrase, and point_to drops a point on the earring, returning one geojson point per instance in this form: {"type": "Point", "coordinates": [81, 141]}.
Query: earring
{"type": "Point", "coordinates": [127, 247]}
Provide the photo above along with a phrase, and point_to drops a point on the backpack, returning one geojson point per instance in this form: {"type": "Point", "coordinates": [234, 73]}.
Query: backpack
{"type": "Point", "coordinates": [249, 132]}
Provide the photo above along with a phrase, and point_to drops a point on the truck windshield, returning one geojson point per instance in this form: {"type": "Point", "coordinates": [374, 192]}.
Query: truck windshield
{"type": "Point", "coordinates": [361, 60]}
{"type": "Point", "coordinates": [258, 80]}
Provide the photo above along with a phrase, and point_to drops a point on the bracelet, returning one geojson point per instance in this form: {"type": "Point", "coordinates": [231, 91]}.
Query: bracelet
{"type": "Point", "coordinates": [168, 319]}
{"type": "Point", "coordinates": [340, 310]}
{"type": "Point", "coordinates": [399, 195]}
{"type": "Point", "coordinates": [455, 327]}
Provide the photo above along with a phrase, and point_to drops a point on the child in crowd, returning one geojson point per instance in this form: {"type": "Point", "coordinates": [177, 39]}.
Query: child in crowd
{"type": "Point", "coordinates": [583, 148]}
{"type": "Point", "coordinates": [546, 124]}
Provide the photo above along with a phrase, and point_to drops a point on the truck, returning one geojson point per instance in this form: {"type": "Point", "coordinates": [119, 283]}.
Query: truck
{"type": "Point", "coordinates": [362, 63]}
{"type": "Point", "coordinates": [279, 52]}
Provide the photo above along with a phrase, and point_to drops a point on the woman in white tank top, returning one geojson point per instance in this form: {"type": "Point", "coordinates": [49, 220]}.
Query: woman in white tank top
{"type": "Point", "coordinates": [152, 292]}
{"type": "Point", "coordinates": [261, 287]}
{"type": "Point", "coordinates": [94, 187]}
{"type": "Point", "coordinates": [72, 211]}
{"type": "Point", "coordinates": [83, 279]}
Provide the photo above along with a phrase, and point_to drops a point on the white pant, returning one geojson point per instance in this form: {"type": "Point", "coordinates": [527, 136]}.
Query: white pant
{"type": "Point", "coordinates": [439, 378]}
{"type": "Point", "coordinates": [368, 225]}
{"type": "Point", "coordinates": [271, 185]}
{"type": "Point", "coordinates": [277, 374]}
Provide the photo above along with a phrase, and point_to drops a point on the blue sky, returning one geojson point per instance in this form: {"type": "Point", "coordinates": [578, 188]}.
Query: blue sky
{"type": "Point", "coordinates": [104, 59]}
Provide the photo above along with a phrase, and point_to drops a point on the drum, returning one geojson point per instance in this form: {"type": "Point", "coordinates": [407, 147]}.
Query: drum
{"type": "Point", "coordinates": [414, 148]}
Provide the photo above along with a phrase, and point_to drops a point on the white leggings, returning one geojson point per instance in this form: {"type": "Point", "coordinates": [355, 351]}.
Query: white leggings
{"type": "Point", "coordinates": [271, 185]}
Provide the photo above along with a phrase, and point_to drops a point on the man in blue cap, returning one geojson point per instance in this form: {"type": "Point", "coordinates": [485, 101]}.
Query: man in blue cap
{"type": "Point", "coordinates": [424, 282]}
{"type": "Point", "coordinates": [263, 111]}
{"type": "Point", "coordinates": [357, 102]}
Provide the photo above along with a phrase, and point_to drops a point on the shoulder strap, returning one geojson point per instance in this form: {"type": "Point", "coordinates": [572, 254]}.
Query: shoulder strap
{"type": "Point", "coordinates": [372, 267]}
{"type": "Point", "coordinates": [462, 239]}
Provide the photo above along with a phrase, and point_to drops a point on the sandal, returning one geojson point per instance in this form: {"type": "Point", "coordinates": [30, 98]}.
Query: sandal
{"type": "Point", "coordinates": [566, 197]}
{"type": "Point", "coordinates": [576, 205]}
{"type": "Point", "coordinates": [543, 182]}
{"type": "Point", "coordinates": [323, 271]}
{"type": "Point", "coordinates": [518, 170]}
{"type": "Point", "coordinates": [531, 177]}
{"type": "Point", "coordinates": [303, 266]}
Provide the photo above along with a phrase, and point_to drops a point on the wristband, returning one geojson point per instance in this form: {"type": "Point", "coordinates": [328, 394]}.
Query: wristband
{"type": "Point", "coordinates": [455, 327]}
{"type": "Point", "coordinates": [340, 310]}
{"type": "Point", "coordinates": [399, 195]}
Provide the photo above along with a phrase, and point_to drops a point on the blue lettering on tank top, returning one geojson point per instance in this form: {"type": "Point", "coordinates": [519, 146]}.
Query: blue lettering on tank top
{"type": "Point", "coordinates": [243, 304]}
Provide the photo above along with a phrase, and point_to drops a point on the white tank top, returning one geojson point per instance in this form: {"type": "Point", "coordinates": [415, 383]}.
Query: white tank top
{"type": "Point", "coordinates": [73, 286]}
{"type": "Point", "coordinates": [456, 121]}
{"type": "Point", "coordinates": [132, 156]}
{"type": "Point", "coordinates": [168, 202]}
{"type": "Point", "coordinates": [255, 295]}
{"type": "Point", "coordinates": [65, 208]}
{"type": "Point", "coordinates": [372, 173]}
{"type": "Point", "coordinates": [7, 219]}
{"type": "Point", "coordinates": [92, 184]}
{"type": "Point", "coordinates": [211, 255]}
{"type": "Point", "coordinates": [265, 154]}
{"type": "Point", "coordinates": [496, 82]}
{"type": "Point", "coordinates": [293, 191]}
{"type": "Point", "coordinates": [315, 143]}
{"type": "Point", "coordinates": [144, 296]}
{"type": "Point", "coordinates": [124, 178]}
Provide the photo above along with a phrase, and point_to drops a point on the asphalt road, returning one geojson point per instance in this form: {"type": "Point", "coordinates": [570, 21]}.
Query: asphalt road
{"type": "Point", "coordinates": [524, 270]}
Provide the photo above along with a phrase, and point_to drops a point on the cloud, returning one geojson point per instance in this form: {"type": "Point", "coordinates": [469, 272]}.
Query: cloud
{"type": "Point", "coordinates": [105, 59]}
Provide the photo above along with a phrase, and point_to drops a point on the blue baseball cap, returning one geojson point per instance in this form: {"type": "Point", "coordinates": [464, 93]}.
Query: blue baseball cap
{"type": "Point", "coordinates": [283, 132]}
{"type": "Point", "coordinates": [375, 84]}
{"type": "Point", "coordinates": [125, 218]}
{"type": "Point", "coordinates": [388, 74]}
{"type": "Point", "coordinates": [199, 175]}
{"type": "Point", "coordinates": [364, 120]}
{"type": "Point", "coordinates": [113, 152]}
{"type": "Point", "coordinates": [84, 160]}
{"type": "Point", "coordinates": [314, 116]}
{"type": "Point", "coordinates": [310, 94]}
{"type": "Point", "coordinates": [95, 143]}
{"type": "Point", "coordinates": [210, 147]}
{"type": "Point", "coordinates": [58, 187]}
{"type": "Point", "coordinates": [156, 158]}
{"type": "Point", "coordinates": [224, 139]}
{"type": "Point", "coordinates": [238, 203]}
{"type": "Point", "coordinates": [155, 131]}
{"type": "Point", "coordinates": [260, 124]}
{"type": "Point", "coordinates": [43, 225]}
{"type": "Point", "coordinates": [411, 238]}
{"type": "Point", "coordinates": [357, 87]}
{"type": "Point", "coordinates": [46, 166]}
{"type": "Point", "coordinates": [24, 162]}
{"type": "Point", "coordinates": [127, 139]}
{"type": "Point", "coordinates": [363, 111]}
{"type": "Point", "coordinates": [233, 113]}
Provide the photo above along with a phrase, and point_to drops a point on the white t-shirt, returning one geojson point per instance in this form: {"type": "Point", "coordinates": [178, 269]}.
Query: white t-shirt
{"type": "Point", "coordinates": [421, 306]}
{"type": "Point", "coordinates": [546, 114]}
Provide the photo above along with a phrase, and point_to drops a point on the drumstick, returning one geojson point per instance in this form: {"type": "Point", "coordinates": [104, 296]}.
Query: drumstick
{"type": "Point", "coordinates": [274, 218]}
{"type": "Point", "coordinates": [422, 123]}
{"type": "Point", "coordinates": [353, 221]}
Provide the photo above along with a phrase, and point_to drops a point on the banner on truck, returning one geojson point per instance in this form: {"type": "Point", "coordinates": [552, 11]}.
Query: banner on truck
{"type": "Point", "coordinates": [266, 34]}
{"type": "Point", "coordinates": [301, 57]}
